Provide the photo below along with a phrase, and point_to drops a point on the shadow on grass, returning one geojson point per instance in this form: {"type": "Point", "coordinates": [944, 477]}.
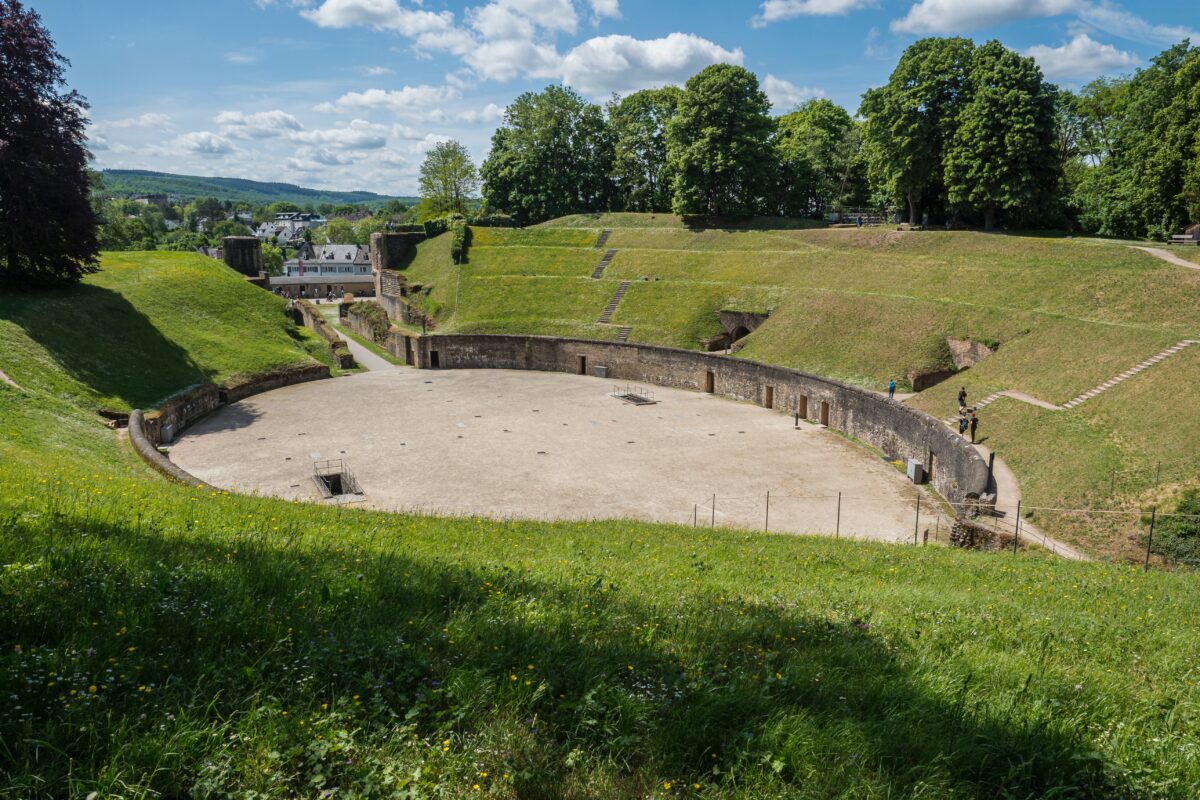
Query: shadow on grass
{"type": "Point", "coordinates": [756, 698]}
{"type": "Point", "coordinates": [102, 341]}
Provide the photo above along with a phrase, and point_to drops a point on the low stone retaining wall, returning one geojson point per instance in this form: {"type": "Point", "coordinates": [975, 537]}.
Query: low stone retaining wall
{"type": "Point", "coordinates": [150, 429]}
{"type": "Point", "coordinates": [956, 470]}
{"type": "Point", "coordinates": [306, 314]}
{"type": "Point", "coordinates": [149, 453]}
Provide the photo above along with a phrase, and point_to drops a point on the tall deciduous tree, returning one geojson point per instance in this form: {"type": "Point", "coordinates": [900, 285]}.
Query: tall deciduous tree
{"type": "Point", "coordinates": [448, 179]}
{"type": "Point", "coordinates": [1003, 153]}
{"type": "Point", "coordinates": [552, 156]}
{"type": "Point", "coordinates": [816, 148]}
{"type": "Point", "coordinates": [47, 224]}
{"type": "Point", "coordinates": [719, 144]}
{"type": "Point", "coordinates": [911, 117]}
{"type": "Point", "coordinates": [639, 129]}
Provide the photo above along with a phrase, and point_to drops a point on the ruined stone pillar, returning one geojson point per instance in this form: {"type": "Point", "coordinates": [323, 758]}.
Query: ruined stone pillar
{"type": "Point", "coordinates": [243, 254]}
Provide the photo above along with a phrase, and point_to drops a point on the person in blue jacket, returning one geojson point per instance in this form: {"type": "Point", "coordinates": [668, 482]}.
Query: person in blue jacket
{"type": "Point", "coordinates": [891, 389]}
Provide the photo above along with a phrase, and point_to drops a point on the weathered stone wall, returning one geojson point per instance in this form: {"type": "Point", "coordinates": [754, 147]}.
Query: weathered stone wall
{"type": "Point", "coordinates": [239, 388]}
{"type": "Point", "coordinates": [140, 438]}
{"type": "Point", "coordinates": [390, 251]}
{"type": "Point", "coordinates": [399, 310]}
{"type": "Point", "coordinates": [243, 253]}
{"type": "Point", "coordinates": [957, 470]}
{"type": "Point", "coordinates": [306, 314]}
{"type": "Point", "coordinates": [180, 411]}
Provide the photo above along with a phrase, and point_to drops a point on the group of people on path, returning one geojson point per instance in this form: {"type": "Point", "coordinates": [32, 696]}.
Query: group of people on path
{"type": "Point", "coordinates": [968, 418]}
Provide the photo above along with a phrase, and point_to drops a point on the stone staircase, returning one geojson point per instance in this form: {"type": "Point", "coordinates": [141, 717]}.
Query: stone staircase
{"type": "Point", "coordinates": [603, 238]}
{"type": "Point", "coordinates": [623, 333]}
{"type": "Point", "coordinates": [1088, 395]}
{"type": "Point", "coordinates": [1129, 373]}
{"type": "Point", "coordinates": [604, 262]}
{"type": "Point", "coordinates": [612, 304]}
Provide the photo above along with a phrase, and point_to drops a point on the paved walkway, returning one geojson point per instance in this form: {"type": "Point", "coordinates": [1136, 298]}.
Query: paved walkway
{"type": "Point", "coordinates": [1167, 255]}
{"type": "Point", "coordinates": [5, 379]}
{"type": "Point", "coordinates": [1007, 488]}
{"type": "Point", "coordinates": [366, 359]}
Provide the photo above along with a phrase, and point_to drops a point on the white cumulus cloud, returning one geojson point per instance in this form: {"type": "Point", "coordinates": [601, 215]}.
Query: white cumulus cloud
{"type": "Point", "coordinates": [605, 8]}
{"type": "Point", "coordinates": [785, 95]}
{"type": "Point", "coordinates": [260, 125]}
{"type": "Point", "coordinates": [964, 16]}
{"type": "Point", "coordinates": [381, 14]}
{"type": "Point", "coordinates": [407, 101]}
{"type": "Point", "coordinates": [1114, 20]}
{"type": "Point", "coordinates": [607, 64]}
{"type": "Point", "coordinates": [778, 10]}
{"type": "Point", "coordinates": [1081, 57]}
{"type": "Point", "coordinates": [355, 135]}
{"type": "Point", "coordinates": [204, 143]}
{"type": "Point", "coordinates": [149, 120]}
{"type": "Point", "coordinates": [478, 116]}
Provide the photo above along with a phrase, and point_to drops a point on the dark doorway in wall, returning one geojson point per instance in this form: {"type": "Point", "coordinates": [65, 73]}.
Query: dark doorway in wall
{"type": "Point", "coordinates": [825, 413]}
{"type": "Point", "coordinates": [768, 397]}
{"type": "Point", "coordinates": [581, 367]}
{"type": "Point", "coordinates": [802, 407]}
{"type": "Point", "coordinates": [408, 351]}
{"type": "Point", "coordinates": [740, 332]}
{"type": "Point", "coordinates": [434, 363]}
{"type": "Point", "coordinates": [710, 382]}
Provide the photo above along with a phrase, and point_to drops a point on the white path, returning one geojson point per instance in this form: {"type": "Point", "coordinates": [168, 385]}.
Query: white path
{"type": "Point", "coordinates": [1167, 255]}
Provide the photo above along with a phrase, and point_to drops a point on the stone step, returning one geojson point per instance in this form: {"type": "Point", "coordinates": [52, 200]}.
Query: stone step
{"type": "Point", "coordinates": [604, 262]}
{"type": "Point", "coordinates": [603, 238]}
{"type": "Point", "coordinates": [623, 333]}
{"type": "Point", "coordinates": [612, 304]}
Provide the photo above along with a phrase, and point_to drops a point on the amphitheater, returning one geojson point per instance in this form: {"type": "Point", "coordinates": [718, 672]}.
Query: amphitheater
{"type": "Point", "coordinates": [537, 445]}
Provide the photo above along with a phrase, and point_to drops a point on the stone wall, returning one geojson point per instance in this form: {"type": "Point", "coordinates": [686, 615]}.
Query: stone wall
{"type": "Point", "coordinates": [243, 253]}
{"type": "Point", "coordinates": [391, 251]}
{"type": "Point", "coordinates": [306, 314]}
{"type": "Point", "coordinates": [180, 411]}
{"type": "Point", "coordinates": [398, 309]}
{"type": "Point", "coordinates": [238, 388]}
{"type": "Point", "coordinates": [147, 449]}
{"type": "Point", "coordinates": [958, 473]}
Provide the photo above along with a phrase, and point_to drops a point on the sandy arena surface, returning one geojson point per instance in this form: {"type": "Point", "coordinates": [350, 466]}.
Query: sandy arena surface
{"type": "Point", "coordinates": [539, 445]}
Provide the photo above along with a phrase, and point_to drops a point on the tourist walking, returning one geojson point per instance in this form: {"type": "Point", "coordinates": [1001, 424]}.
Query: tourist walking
{"type": "Point", "coordinates": [858, 220]}
{"type": "Point", "coordinates": [962, 398]}
{"type": "Point", "coordinates": [892, 389]}
{"type": "Point", "coordinates": [974, 425]}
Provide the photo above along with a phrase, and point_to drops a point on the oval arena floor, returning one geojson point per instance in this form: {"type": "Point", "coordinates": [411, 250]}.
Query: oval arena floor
{"type": "Point", "coordinates": [536, 445]}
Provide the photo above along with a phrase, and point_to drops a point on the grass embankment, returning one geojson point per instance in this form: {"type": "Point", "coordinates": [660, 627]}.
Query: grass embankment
{"type": "Point", "coordinates": [164, 642]}
{"type": "Point", "coordinates": [873, 304]}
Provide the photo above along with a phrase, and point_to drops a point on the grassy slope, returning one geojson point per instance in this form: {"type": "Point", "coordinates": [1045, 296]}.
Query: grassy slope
{"type": "Point", "coordinates": [159, 642]}
{"type": "Point", "coordinates": [867, 305]}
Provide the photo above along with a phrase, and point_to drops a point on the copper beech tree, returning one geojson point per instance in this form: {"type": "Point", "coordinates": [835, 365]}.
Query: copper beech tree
{"type": "Point", "coordinates": [47, 225]}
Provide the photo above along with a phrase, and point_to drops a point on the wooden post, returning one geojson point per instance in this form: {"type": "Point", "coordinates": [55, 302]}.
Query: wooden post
{"type": "Point", "coordinates": [767, 519]}
{"type": "Point", "coordinates": [1150, 538]}
{"type": "Point", "coordinates": [917, 522]}
{"type": "Point", "coordinates": [695, 511]}
{"type": "Point", "coordinates": [713, 524]}
{"type": "Point", "coordinates": [837, 531]}
{"type": "Point", "coordinates": [1017, 529]}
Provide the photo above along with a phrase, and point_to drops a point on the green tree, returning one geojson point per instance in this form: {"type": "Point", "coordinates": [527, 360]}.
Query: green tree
{"type": "Point", "coordinates": [272, 259]}
{"type": "Point", "coordinates": [551, 156]}
{"type": "Point", "coordinates": [1149, 183]}
{"type": "Point", "coordinates": [227, 227]}
{"type": "Point", "coordinates": [48, 233]}
{"type": "Point", "coordinates": [1003, 153]}
{"type": "Point", "coordinates": [719, 144]}
{"type": "Point", "coordinates": [338, 230]}
{"type": "Point", "coordinates": [641, 172]}
{"type": "Point", "coordinates": [365, 227]}
{"type": "Point", "coordinates": [816, 148]}
{"type": "Point", "coordinates": [910, 119]}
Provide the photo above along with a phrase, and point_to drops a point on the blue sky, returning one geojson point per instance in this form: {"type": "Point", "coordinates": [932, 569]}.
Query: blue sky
{"type": "Point", "coordinates": [349, 94]}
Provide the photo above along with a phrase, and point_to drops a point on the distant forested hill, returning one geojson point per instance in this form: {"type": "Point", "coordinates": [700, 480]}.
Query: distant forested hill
{"type": "Point", "coordinates": [187, 187]}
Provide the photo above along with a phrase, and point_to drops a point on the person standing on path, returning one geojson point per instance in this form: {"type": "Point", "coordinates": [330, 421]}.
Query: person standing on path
{"type": "Point", "coordinates": [962, 423]}
{"type": "Point", "coordinates": [962, 398]}
{"type": "Point", "coordinates": [974, 425]}
{"type": "Point", "coordinates": [892, 389]}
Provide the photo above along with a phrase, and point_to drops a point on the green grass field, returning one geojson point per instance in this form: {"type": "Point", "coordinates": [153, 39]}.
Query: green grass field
{"type": "Point", "coordinates": [161, 642]}
{"type": "Point", "coordinates": [868, 305]}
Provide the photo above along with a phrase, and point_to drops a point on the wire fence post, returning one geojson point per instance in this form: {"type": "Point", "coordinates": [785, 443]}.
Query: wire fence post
{"type": "Point", "coordinates": [1157, 471]}
{"type": "Point", "coordinates": [917, 522]}
{"type": "Point", "coordinates": [695, 511]}
{"type": "Point", "coordinates": [1017, 529]}
{"type": "Point", "coordinates": [837, 531]}
{"type": "Point", "coordinates": [713, 524]}
{"type": "Point", "coordinates": [767, 518]}
{"type": "Point", "coordinates": [1150, 538]}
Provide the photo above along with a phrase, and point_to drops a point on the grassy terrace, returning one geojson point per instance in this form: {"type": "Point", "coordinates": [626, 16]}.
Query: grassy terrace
{"type": "Point", "coordinates": [160, 642]}
{"type": "Point", "coordinates": [865, 306]}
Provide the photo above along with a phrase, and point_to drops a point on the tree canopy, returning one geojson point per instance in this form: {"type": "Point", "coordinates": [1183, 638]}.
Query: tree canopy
{"type": "Point", "coordinates": [48, 231]}
{"type": "Point", "coordinates": [448, 180]}
{"type": "Point", "coordinates": [817, 148]}
{"type": "Point", "coordinates": [641, 172]}
{"type": "Point", "coordinates": [552, 156]}
{"type": "Point", "coordinates": [719, 146]}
